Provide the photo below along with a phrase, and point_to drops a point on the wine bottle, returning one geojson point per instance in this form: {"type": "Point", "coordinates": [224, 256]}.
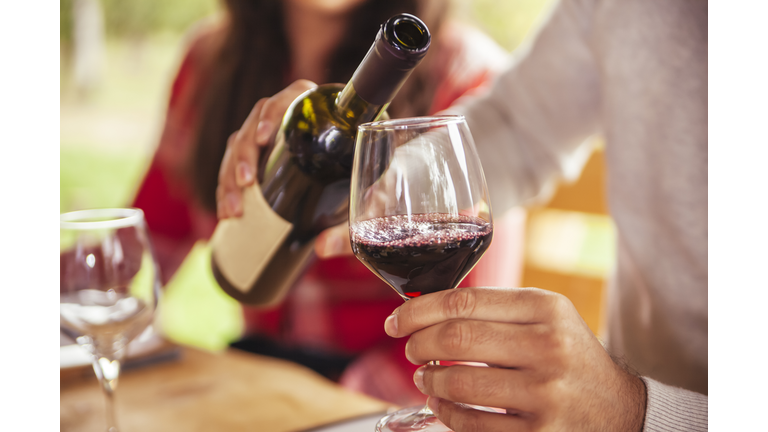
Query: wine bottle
{"type": "Point", "coordinates": [303, 187]}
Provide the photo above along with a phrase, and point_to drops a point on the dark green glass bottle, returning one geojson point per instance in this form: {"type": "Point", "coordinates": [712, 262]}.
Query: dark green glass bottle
{"type": "Point", "coordinates": [304, 184]}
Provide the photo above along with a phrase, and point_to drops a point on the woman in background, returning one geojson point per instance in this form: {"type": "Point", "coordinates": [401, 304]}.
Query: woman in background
{"type": "Point", "coordinates": [255, 50]}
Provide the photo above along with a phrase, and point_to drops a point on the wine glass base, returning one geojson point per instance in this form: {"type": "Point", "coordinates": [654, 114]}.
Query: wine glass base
{"type": "Point", "coordinates": [411, 419]}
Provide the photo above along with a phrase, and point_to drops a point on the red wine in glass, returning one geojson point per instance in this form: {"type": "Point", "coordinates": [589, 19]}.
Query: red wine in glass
{"type": "Point", "coordinates": [419, 216]}
{"type": "Point", "coordinates": [423, 253]}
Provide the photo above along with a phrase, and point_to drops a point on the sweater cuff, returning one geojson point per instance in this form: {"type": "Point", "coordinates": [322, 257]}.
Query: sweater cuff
{"type": "Point", "coordinates": [672, 409]}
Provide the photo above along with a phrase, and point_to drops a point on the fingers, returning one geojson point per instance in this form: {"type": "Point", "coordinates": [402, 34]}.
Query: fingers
{"type": "Point", "coordinates": [239, 165]}
{"type": "Point", "coordinates": [262, 129]}
{"type": "Point", "coordinates": [511, 305]}
{"type": "Point", "coordinates": [245, 148]}
{"type": "Point", "coordinates": [333, 242]}
{"type": "Point", "coordinates": [484, 386]}
{"type": "Point", "coordinates": [228, 201]}
{"type": "Point", "coordinates": [554, 373]}
{"type": "Point", "coordinates": [462, 418]}
{"type": "Point", "coordinates": [503, 344]}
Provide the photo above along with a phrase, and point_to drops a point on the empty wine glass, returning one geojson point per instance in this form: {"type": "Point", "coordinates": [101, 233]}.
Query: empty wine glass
{"type": "Point", "coordinates": [109, 287]}
{"type": "Point", "coordinates": [419, 215]}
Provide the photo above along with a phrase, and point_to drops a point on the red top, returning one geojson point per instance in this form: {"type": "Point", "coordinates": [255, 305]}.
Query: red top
{"type": "Point", "coordinates": [338, 305]}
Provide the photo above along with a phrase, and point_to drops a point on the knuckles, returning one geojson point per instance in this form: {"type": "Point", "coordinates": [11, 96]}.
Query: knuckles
{"type": "Point", "coordinates": [550, 341]}
{"type": "Point", "coordinates": [458, 385]}
{"type": "Point", "coordinates": [547, 391]}
{"type": "Point", "coordinates": [555, 349]}
{"type": "Point", "coordinates": [456, 337]}
{"type": "Point", "coordinates": [460, 302]}
{"type": "Point", "coordinates": [461, 420]}
{"type": "Point", "coordinates": [560, 306]}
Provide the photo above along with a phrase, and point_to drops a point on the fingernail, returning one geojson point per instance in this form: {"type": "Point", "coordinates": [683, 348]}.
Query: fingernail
{"type": "Point", "coordinates": [433, 403]}
{"type": "Point", "coordinates": [244, 174]}
{"type": "Point", "coordinates": [390, 325]}
{"type": "Point", "coordinates": [263, 131]}
{"type": "Point", "coordinates": [418, 378]}
{"type": "Point", "coordinates": [233, 202]}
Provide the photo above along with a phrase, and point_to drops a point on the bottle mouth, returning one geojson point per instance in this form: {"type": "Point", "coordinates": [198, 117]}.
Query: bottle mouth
{"type": "Point", "coordinates": [408, 33]}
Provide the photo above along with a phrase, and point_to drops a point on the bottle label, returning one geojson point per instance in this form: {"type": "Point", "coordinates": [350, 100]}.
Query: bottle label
{"type": "Point", "coordinates": [249, 241]}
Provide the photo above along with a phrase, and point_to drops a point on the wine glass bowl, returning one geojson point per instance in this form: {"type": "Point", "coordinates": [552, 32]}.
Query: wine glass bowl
{"type": "Point", "coordinates": [109, 287]}
{"type": "Point", "coordinates": [419, 215]}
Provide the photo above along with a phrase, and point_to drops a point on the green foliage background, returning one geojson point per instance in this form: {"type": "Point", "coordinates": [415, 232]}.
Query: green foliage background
{"type": "Point", "coordinates": [132, 18]}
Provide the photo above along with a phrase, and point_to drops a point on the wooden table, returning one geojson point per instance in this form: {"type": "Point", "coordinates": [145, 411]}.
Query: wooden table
{"type": "Point", "coordinates": [202, 391]}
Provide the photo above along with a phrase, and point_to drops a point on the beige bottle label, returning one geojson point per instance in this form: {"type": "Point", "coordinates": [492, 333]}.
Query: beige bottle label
{"type": "Point", "coordinates": [243, 246]}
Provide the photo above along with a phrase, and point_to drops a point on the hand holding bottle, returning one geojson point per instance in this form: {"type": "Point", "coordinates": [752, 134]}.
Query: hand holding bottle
{"type": "Point", "coordinates": [302, 188]}
{"type": "Point", "coordinates": [240, 162]}
{"type": "Point", "coordinates": [241, 159]}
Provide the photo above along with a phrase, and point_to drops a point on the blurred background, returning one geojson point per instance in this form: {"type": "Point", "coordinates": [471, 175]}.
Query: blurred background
{"type": "Point", "coordinates": [117, 62]}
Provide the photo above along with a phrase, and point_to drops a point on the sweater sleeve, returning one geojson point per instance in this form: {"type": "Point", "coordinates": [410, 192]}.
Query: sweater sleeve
{"type": "Point", "coordinates": [531, 124]}
{"type": "Point", "coordinates": [672, 409]}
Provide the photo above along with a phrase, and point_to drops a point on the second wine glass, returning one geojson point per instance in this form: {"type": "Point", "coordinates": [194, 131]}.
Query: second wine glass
{"type": "Point", "coordinates": [419, 215]}
{"type": "Point", "coordinates": [109, 288]}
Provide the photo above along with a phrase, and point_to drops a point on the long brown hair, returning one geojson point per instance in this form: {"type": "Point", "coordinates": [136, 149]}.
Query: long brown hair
{"type": "Point", "coordinates": [253, 62]}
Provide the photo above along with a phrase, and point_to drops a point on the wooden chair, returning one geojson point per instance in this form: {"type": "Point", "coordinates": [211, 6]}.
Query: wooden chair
{"type": "Point", "coordinates": [570, 242]}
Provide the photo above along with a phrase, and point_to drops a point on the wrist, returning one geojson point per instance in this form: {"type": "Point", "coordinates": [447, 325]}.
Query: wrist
{"type": "Point", "coordinates": [636, 400]}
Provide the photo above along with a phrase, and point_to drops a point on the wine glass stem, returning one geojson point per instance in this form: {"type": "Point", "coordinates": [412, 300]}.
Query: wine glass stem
{"type": "Point", "coordinates": [110, 402]}
{"type": "Point", "coordinates": [426, 410]}
{"type": "Point", "coordinates": [108, 370]}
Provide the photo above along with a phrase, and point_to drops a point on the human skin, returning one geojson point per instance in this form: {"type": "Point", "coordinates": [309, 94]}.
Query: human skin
{"type": "Point", "coordinates": [238, 166]}
{"type": "Point", "coordinates": [547, 368]}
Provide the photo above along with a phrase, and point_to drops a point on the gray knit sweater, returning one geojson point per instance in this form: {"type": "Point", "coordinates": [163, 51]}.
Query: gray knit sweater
{"type": "Point", "coordinates": [634, 71]}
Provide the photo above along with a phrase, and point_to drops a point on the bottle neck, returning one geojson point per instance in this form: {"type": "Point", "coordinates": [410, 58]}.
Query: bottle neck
{"type": "Point", "coordinates": [400, 45]}
{"type": "Point", "coordinates": [355, 109]}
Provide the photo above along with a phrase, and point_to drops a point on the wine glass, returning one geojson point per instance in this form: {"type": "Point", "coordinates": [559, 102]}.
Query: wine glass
{"type": "Point", "coordinates": [419, 215]}
{"type": "Point", "coordinates": [109, 287]}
